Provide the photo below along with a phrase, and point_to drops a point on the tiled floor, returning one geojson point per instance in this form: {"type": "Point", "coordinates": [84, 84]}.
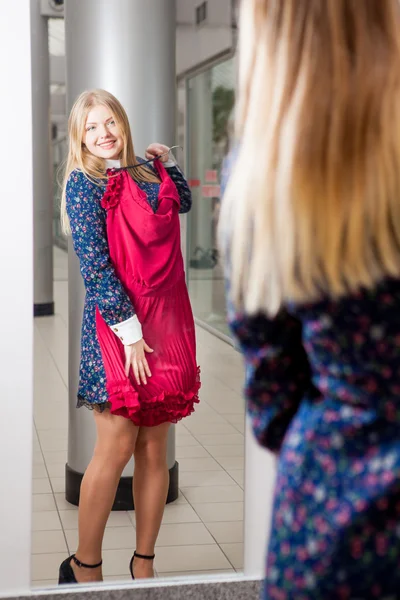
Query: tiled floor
{"type": "Point", "coordinates": [202, 530]}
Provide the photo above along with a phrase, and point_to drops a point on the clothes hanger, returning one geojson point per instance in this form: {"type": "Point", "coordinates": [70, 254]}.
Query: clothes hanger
{"type": "Point", "coordinates": [147, 161]}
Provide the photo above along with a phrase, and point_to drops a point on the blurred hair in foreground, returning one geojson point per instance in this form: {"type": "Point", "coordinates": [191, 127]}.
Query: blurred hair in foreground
{"type": "Point", "coordinates": [315, 196]}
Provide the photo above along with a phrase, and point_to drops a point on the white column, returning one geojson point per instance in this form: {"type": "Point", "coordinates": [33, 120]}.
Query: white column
{"type": "Point", "coordinates": [260, 466]}
{"type": "Point", "coordinates": [201, 157]}
{"type": "Point", "coordinates": [16, 299]}
{"type": "Point", "coordinates": [128, 48]}
{"type": "Point", "coordinates": [42, 175]}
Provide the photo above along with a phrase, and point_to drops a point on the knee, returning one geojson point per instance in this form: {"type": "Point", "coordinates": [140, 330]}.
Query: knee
{"type": "Point", "coordinates": [124, 452]}
{"type": "Point", "coordinates": [117, 452]}
{"type": "Point", "coordinates": [151, 453]}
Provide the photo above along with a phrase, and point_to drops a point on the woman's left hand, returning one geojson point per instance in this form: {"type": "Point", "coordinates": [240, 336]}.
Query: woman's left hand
{"type": "Point", "coordinates": [155, 150]}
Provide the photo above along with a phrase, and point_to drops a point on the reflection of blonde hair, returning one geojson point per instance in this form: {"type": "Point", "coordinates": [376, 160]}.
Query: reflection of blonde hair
{"type": "Point", "coordinates": [313, 206]}
{"type": "Point", "coordinates": [78, 155]}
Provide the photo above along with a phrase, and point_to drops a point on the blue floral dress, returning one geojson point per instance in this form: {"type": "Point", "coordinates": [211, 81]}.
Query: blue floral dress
{"type": "Point", "coordinates": [323, 392]}
{"type": "Point", "coordinates": [103, 288]}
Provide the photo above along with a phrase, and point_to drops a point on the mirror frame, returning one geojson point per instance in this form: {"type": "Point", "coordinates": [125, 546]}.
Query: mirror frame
{"type": "Point", "coordinates": [224, 588]}
{"type": "Point", "coordinates": [16, 351]}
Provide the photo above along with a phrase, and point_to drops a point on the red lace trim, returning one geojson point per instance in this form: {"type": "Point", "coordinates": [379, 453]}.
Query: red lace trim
{"type": "Point", "coordinates": [112, 194]}
{"type": "Point", "coordinates": [167, 407]}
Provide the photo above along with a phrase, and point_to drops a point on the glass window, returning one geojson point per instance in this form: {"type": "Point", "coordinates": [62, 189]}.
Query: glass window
{"type": "Point", "coordinates": [210, 105]}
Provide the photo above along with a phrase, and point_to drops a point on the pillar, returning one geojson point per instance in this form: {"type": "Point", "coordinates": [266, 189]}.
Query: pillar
{"type": "Point", "coordinates": [200, 141]}
{"type": "Point", "coordinates": [201, 156]}
{"type": "Point", "coordinates": [128, 48]}
{"type": "Point", "coordinates": [42, 174]}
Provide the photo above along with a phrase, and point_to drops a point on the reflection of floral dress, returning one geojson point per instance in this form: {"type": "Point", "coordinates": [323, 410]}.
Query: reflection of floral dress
{"type": "Point", "coordinates": [323, 391]}
{"type": "Point", "coordinates": [105, 290]}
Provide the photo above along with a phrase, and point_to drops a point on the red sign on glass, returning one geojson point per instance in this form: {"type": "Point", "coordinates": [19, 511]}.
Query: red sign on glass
{"type": "Point", "coordinates": [194, 183]}
{"type": "Point", "coordinates": [211, 176]}
{"type": "Point", "coordinates": [210, 191]}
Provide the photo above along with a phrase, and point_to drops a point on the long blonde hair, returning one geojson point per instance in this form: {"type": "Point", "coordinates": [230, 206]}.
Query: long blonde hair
{"type": "Point", "coordinates": [312, 207]}
{"type": "Point", "coordinates": [80, 158]}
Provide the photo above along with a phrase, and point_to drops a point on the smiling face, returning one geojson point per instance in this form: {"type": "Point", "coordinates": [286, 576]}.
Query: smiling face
{"type": "Point", "coordinates": [102, 136]}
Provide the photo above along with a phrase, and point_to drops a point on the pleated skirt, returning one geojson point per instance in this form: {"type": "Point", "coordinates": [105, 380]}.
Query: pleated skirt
{"type": "Point", "coordinates": [173, 390]}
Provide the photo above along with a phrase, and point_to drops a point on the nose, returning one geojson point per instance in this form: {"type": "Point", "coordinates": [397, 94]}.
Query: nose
{"type": "Point", "coordinates": [103, 132]}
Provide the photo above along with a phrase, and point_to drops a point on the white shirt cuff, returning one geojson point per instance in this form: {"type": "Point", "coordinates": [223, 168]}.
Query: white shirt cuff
{"type": "Point", "coordinates": [169, 163]}
{"type": "Point", "coordinates": [129, 331]}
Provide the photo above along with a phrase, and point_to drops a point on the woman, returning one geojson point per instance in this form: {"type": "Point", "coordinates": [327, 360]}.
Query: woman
{"type": "Point", "coordinates": [138, 358]}
{"type": "Point", "coordinates": [310, 225]}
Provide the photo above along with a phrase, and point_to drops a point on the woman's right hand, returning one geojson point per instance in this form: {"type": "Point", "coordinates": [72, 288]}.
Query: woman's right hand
{"type": "Point", "coordinates": [135, 357]}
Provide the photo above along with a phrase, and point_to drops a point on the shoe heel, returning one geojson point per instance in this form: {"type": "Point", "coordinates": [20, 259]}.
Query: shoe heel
{"type": "Point", "coordinates": [61, 577]}
{"type": "Point", "coordinates": [66, 573]}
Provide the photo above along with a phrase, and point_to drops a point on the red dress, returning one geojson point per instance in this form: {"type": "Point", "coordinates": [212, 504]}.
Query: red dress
{"type": "Point", "coordinates": [145, 250]}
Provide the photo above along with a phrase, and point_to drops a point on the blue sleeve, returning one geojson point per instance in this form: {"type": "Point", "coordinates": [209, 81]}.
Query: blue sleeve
{"type": "Point", "coordinates": [89, 237]}
{"type": "Point", "coordinates": [278, 373]}
{"type": "Point", "coordinates": [183, 188]}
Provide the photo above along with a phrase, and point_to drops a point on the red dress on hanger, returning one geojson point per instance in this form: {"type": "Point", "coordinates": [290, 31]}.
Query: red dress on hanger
{"type": "Point", "coordinates": [145, 250]}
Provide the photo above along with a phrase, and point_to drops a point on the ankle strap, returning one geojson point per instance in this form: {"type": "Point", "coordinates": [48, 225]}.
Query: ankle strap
{"type": "Point", "coordinates": [84, 565]}
{"type": "Point", "coordinates": [145, 556]}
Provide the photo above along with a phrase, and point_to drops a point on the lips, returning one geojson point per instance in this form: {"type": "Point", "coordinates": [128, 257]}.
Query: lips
{"type": "Point", "coordinates": [107, 145]}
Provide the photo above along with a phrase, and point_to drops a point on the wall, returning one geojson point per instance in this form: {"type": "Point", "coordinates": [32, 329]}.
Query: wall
{"type": "Point", "coordinates": [16, 299]}
{"type": "Point", "coordinates": [198, 44]}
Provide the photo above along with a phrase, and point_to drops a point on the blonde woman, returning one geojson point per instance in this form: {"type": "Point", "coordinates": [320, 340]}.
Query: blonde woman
{"type": "Point", "coordinates": [310, 226]}
{"type": "Point", "coordinates": [138, 352]}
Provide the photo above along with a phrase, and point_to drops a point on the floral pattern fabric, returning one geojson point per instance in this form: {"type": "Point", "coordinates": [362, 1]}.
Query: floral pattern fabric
{"type": "Point", "coordinates": [103, 288]}
{"type": "Point", "coordinates": [323, 393]}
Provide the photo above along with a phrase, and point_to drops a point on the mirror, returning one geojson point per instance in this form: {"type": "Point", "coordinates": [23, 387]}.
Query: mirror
{"type": "Point", "coordinates": [202, 530]}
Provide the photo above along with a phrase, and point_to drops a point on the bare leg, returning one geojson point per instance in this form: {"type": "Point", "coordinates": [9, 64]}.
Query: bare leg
{"type": "Point", "coordinates": [116, 437]}
{"type": "Point", "coordinates": [150, 489]}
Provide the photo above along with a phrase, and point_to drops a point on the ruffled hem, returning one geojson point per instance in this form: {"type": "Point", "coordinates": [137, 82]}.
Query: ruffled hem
{"type": "Point", "coordinates": [167, 407]}
{"type": "Point", "coordinates": [112, 194]}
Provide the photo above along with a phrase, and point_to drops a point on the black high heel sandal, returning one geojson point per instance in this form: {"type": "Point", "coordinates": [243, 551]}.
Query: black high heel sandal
{"type": "Point", "coordinates": [135, 554]}
{"type": "Point", "coordinates": [66, 574]}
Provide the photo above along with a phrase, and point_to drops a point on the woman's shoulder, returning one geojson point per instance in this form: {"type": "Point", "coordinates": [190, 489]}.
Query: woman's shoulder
{"type": "Point", "coordinates": [379, 303]}
{"type": "Point", "coordinates": [80, 182]}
